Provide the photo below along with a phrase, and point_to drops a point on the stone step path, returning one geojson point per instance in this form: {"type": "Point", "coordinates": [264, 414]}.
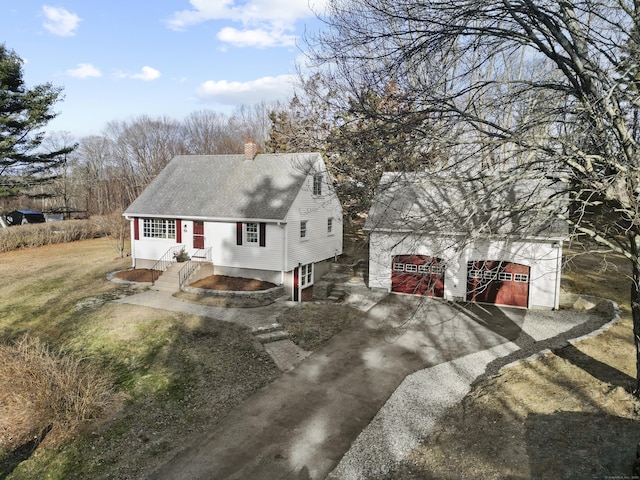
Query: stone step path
{"type": "Point", "coordinates": [270, 333]}
{"type": "Point", "coordinates": [337, 293]}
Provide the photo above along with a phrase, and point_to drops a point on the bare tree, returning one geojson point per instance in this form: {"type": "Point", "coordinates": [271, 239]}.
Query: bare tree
{"type": "Point", "coordinates": [141, 148]}
{"type": "Point", "coordinates": [206, 132]}
{"type": "Point", "coordinates": [537, 89]}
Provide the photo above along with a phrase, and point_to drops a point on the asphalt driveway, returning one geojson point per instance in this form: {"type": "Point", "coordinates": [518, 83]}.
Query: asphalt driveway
{"type": "Point", "coordinates": [301, 425]}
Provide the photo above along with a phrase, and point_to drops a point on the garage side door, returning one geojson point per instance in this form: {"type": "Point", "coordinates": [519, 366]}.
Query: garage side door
{"type": "Point", "coordinates": [500, 283]}
{"type": "Point", "coordinates": [418, 275]}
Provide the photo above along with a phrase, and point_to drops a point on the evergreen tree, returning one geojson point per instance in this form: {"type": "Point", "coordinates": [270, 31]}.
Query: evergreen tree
{"type": "Point", "coordinates": [23, 113]}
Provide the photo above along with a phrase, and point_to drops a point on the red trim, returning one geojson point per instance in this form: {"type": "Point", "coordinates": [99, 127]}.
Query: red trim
{"type": "Point", "coordinates": [238, 233]}
{"type": "Point", "coordinates": [136, 228]}
{"type": "Point", "coordinates": [178, 231]}
{"type": "Point", "coordinates": [263, 234]}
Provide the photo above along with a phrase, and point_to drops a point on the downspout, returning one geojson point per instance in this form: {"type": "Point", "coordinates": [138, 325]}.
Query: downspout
{"type": "Point", "coordinates": [556, 293]}
{"type": "Point", "coordinates": [285, 251]}
{"type": "Point", "coordinates": [133, 242]}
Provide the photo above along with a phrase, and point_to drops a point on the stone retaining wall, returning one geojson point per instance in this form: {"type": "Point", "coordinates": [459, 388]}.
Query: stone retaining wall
{"type": "Point", "coordinates": [270, 294]}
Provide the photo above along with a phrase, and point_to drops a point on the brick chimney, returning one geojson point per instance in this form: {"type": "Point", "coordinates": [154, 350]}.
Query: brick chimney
{"type": "Point", "coordinates": [250, 150]}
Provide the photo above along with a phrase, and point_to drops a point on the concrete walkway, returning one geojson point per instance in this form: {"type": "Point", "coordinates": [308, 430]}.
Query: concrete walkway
{"type": "Point", "coordinates": [301, 425]}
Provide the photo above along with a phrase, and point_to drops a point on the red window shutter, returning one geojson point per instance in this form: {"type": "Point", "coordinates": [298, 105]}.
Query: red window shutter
{"type": "Point", "coordinates": [238, 233]}
{"type": "Point", "coordinates": [136, 228]}
{"type": "Point", "coordinates": [178, 231]}
{"type": "Point", "coordinates": [263, 234]}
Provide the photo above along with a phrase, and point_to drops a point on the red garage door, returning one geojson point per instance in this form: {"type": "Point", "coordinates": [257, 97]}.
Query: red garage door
{"type": "Point", "coordinates": [501, 283]}
{"type": "Point", "coordinates": [418, 275]}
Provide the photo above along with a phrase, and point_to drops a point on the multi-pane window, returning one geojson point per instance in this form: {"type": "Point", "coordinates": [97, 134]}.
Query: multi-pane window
{"type": "Point", "coordinates": [521, 277]}
{"type": "Point", "coordinates": [317, 184]}
{"type": "Point", "coordinates": [330, 225]}
{"type": "Point", "coordinates": [303, 229]}
{"type": "Point", "coordinates": [158, 228]}
{"type": "Point", "coordinates": [398, 267]}
{"type": "Point", "coordinates": [251, 232]}
{"type": "Point", "coordinates": [306, 274]}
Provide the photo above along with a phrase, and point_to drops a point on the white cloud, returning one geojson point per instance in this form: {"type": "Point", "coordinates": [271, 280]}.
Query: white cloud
{"type": "Point", "coordinates": [256, 38]}
{"type": "Point", "coordinates": [236, 93]}
{"type": "Point", "coordinates": [263, 21]}
{"type": "Point", "coordinates": [60, 21]}
{"type": "Point", "coordinates": [84, 70]}
{"type": "Point", "coordinates": [146, 74]}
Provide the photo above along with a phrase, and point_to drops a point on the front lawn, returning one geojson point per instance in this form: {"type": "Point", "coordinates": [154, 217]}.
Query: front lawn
{"type": "Point", "coordinates": [172, 374]}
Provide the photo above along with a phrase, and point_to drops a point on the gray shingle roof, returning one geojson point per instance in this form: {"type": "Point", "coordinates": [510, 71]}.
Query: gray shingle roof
{"type": "Point", "coordinates": [489, 205]}
{"type": "Point", "coordinates": [226, 187]}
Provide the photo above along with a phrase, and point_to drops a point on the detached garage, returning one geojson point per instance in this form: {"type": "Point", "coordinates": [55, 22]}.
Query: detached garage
{"type": "Point", "coordinates": [427, 238]}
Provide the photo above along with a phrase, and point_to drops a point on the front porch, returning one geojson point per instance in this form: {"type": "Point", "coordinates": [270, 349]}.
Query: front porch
{"type": "Point", "coordinates": [180, 265]}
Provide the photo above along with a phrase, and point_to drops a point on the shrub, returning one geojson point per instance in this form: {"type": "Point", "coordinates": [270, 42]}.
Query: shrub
{"type": "Point", "coordinates": [23, 236]}
{"type": "Point", "coordinates": [43, 391]}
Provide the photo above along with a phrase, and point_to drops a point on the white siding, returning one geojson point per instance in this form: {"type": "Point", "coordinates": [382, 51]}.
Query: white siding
{"type": "Point", "coordinates": [541, 256]}
{"type": "Point", "coordinates": [318, 244]}
{"type": "Point", "coordinates": [222, 238]}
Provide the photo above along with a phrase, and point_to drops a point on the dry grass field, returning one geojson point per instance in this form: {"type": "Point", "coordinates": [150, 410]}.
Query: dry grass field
{"type": "Point", "coordinates": [172, 374]}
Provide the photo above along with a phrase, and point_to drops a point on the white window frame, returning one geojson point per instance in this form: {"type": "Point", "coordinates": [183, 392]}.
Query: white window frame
{"type": "Point", "coordinates": [251, 236]}
{"type": "Point", "coordinates": [398, 267]}
{"type": "Point", "coordinates": [306, 275]}
{"type": "Point", "coordinates": [475, 273]}
{"type": "Point", "coordinates": [303, 229]}
{"type": "Point", "coordinates": [521, 277]}
{"type": "Point", "coordinates": [505, 276]}
{"type": "Point", "coordinates": [437, 269]}
{"type": "Point", "coordinates": [161, 228]}
{"type": "Point", "coordinates": [410, 267]}
{"type": "Point", "coordinates": [330, 226]}
{"type": "Point", "coordinates": [317, 184]}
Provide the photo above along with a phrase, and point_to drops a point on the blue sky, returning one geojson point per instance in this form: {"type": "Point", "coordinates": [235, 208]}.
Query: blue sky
{"type": "Point", "coordinates": [120, 59]}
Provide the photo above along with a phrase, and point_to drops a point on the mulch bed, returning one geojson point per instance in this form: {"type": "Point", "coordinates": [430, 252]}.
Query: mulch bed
{"type": "Point", "coordinates": [213, 282]}
{"type": "Point", "coordinates": [137, 275]}
{"type": "Point", "coordinates": [236, 284]}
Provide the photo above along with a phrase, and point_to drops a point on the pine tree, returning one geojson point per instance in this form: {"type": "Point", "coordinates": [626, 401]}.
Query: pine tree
{"type": "Point", "coordinates": [24, 112]}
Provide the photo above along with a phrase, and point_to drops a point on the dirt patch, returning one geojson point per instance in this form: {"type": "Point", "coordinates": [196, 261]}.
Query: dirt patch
{"type": "Point", "coordinates": [233, 284]}
{"type": "Point", "coordinates": [312, 325]}
{"type": "Point", "coordinates": [138, 275]}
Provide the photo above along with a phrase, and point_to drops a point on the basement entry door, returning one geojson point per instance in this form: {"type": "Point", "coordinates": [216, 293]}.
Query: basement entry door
{"type": "Point", "coordinates": [418, 275]}
{"type": "Point", "coordinates": [498, 282]}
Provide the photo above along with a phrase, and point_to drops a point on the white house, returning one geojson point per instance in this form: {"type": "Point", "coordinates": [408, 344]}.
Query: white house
{"type": "Point", "coordinates": [481, 239]}
{"type": "Point", "coordinates": [272, 217]}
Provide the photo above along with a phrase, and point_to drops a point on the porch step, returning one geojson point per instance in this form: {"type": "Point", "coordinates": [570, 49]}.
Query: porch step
{"type": "Point", "coordinates": [270, 333]}
{"type": "Point", "coordinates": [169, 281]}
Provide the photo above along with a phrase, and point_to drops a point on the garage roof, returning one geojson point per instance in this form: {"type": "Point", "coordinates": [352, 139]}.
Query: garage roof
{"type": "Point", "coordinates": [479, 205]}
